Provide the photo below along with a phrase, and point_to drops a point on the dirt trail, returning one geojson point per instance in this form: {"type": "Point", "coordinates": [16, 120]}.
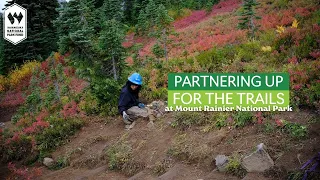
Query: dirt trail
{"type": "Point", "coordinates": [150, 146]}
{"type": "Point", "coordinates": [7, 112]}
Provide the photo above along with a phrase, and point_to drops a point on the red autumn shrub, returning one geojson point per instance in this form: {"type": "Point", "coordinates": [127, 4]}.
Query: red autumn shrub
{"type": "Point", "coordinates": [45, 66]}
{"type": "Point", "coordinates": [77, 85]}
{"type": "Point", "coordinates": [16, 147]}
{"type": "Point", "coordinates": [315, 54]}
{"type": "Point", "coordinates": [200, 15]}
{"type": "Point", "coordinates": [304, 82]}
{"type": "Point", "coordinates": [70, 110]}
{"type": "Point", "coordinates": [129, 60]}
{"type": "Point", "coordinates": [279, 123]}
{"type": "Point", "coordinates": [69, 71]}
{"type": "Point", "coordinates": [24, 121]}
{"type": "Point", "coordinates": [293, 60]}
{"type": "Point", "coordinates": [12, 98]}
{"type": "Point", "coordinates": [36, 127]}
{"type": "Point", "coordinates": [282, 17]}
{"type": "Point", "coordinates": [23, 172]}
{"type": "Point", "coordinates": [59, 58]}
{"type": "Point", "coordinates": [259, 117]}
{"type": "Point", "coordinates": [196, 16]}
{"type": "Point", "coordinates": [316, 28]}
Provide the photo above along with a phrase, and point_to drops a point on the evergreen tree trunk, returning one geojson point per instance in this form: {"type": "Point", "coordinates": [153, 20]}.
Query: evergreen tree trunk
{"type": "Point", "coordinates": [165, 44]}
{"type": "Point", "coordinates": [252, 26]}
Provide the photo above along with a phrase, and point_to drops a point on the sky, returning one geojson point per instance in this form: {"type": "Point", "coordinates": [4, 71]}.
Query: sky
{"type": "Point", "coordinates": [2, 2]}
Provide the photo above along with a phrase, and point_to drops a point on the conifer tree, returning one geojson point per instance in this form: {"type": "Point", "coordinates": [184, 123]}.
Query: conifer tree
{"type": "Point", "coordinates": [147, 18]}
{"type": "Point", "coordinates": [112, 9]}
{"type": "Point", "coordinates": [248, 16]}
{"type": "Point", "coordinates": [76, 29]}
{"type": "Point", "coordinates": [163, 28]}
{"type": "Point", "coordinates": [110, 45]}
{"type": "Point", "coordinates": [155, 22]}
{"type": "Point", "coordinates": [138, 5]}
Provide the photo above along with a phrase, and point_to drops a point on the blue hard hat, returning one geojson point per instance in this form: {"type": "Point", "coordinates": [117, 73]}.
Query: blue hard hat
{"type": "Point", "coordinates": [135, 78]}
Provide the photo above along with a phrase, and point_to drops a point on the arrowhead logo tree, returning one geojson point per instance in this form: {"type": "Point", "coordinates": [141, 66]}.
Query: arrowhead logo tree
{"type": "Point", "coordinates": [15, 24]}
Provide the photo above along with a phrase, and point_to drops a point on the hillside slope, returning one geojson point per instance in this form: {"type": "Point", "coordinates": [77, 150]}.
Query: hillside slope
{"type": "Point", "coordinates": [179, 145]}
{"type": "Point", "coordinates": [196, 150]}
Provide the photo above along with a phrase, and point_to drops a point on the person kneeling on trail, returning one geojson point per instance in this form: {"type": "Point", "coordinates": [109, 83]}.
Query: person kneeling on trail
{"type": "Point", "coordinates": [129, 105]}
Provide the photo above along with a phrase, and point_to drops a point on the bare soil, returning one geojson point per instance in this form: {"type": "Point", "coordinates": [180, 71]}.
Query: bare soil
{"type": "Point", "coordinates": [150, 147]}
{"type": "Point", "coordinates": [7, 112]}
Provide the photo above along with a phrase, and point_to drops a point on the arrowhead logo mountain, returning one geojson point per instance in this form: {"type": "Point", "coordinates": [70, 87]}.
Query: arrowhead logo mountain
{"type": "Point", "coordinates": [11, 18]}
{"type": "Point", "coordinates": [19, 18]}
{"type": "Point", "coordinates": [15, 24]}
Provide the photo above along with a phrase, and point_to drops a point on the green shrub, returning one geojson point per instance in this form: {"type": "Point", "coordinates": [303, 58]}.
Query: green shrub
{"type": "Point", "coordinates": [118, 155]}
{"type": "Point", "coordinates": [268, 127]}
{"type": "Point", "coordinates": [158, 51]}
{"type": "Point", "coordinates": [305, 47]}
{"type": "Point", "coordinates": [188, 149]}
{"type": "Point", "coordinates": [179, 13]}
{"type": "Point", "coordinates": [159, 93]}
{"type": "Point", "coordinates": [33, 100]}
{"type": "Point", "coordinates": [108, 109]}
{"type": "Point", "coordinates": [248, 51]}
{"type": "Point", "coordinates": [284, 41]}
{"type": "Point", "coordinates": [19, 114]}
{"type": "Point", "coordinates": [89, 103]}
{"type": "Point", "coordinates": [49, 97]}
{"type": "Point", "coordinates": [213, 58]}
{"type": "Point", "coordinates": [161, 167]}
{"type": "Point", "coordinates": [242, 118]}
{"type": "Point", "coordinates": [185, 120]}
{"type": "Point", "coordinates": [316, 17]}
{"type": "Point", "coordinates": [221, 119]}
{"type": "Point", "coordinates": [280, 4]}
{"type": "Point", "coordinates": [267, 37]}
{"type": "Point", "coordinates": [107, 92]}
{"type": "Point", "coordinates": [59, 130]}
{"type": "Point", "coordinates": [234, 166]}
{"type": "Point", "coordinates": [61, 162]}
{"type": "Point", "coordinates": [295, 130]}
{"type": "Point", "coordinates": [15, 147]}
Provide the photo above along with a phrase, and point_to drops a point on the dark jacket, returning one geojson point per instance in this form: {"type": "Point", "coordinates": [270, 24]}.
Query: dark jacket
{"type": "Point", "coordinates": [128, 97]}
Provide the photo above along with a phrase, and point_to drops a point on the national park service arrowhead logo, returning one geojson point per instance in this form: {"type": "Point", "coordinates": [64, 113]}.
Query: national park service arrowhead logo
{"type": "Point", "coordinates": [15, 24]}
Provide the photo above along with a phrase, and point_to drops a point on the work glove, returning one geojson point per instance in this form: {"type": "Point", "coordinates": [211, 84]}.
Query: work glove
{"type": "Point", "coordinates": [126, 118]}
{"type": "Point", "coordinates": [141, 105]}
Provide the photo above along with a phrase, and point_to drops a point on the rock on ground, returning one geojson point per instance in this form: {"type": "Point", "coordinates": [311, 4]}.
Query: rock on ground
{"type": "Point", "coordinates": [48, 162]}
{"type": "Point", "coordinates": [221, 162]}
{"type": "Point", "coordinates": [258, 161]}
